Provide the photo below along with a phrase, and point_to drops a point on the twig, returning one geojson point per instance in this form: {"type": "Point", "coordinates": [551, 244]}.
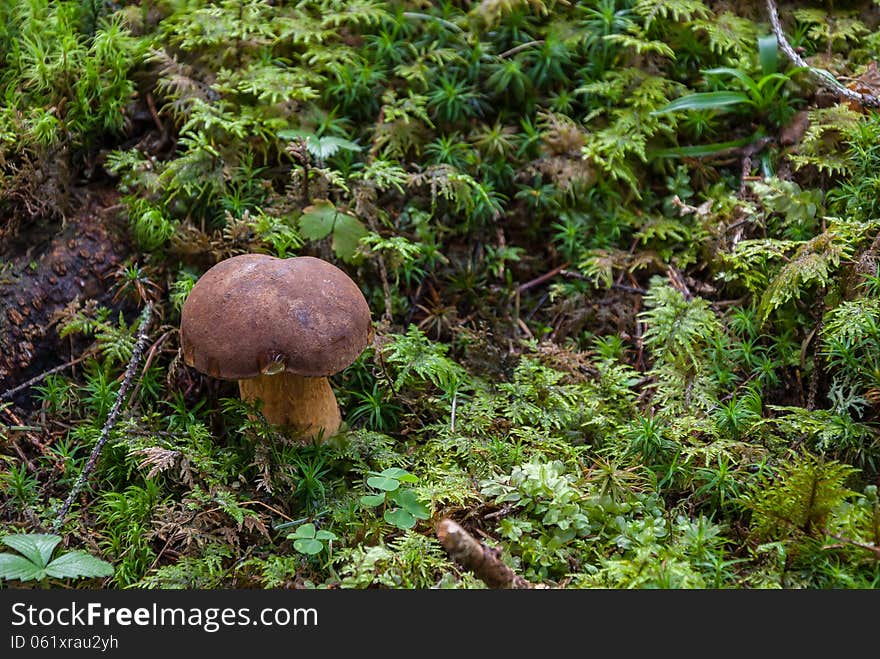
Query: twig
{"type": "Point", "coordinates": [861, 545]}
{"type": "Point", "coordinates": [42, 376]}
{"type": "Point", "coordinates": [676, 278]}
{"type": "Point", "coordinates": [485, 562]}
{"type": "Point", "coordinates": [728, 303]}
{"type": "Point", "coordinates": [30, 465]}
{"type": "Point", "coordinates": [452, 414]}
{"type": "Point", "coordinates": [20, 425]}
{"type": "Point", "coordinates": [501, 512]}
{"type": "Point", "coordinates": [429, 17]}
{"type": "Point", "coordinates": [136, 354]}
{"type": "Point", "coordinates": [151, 106]}
{"type": "Point", "coordinates": [266, 505]}
{"type": "Point", "coordinates": [540, 280]}
{"type": "Point", "coordinates": [518, 49]}
{"type": "Point", "coordinates": [814, 376]}
{"type": "Point", "coordinates": [571, 274]}
{"type": "Point", "coordinates": [630, 289]}
{"type": "Point", "coordinates": [151, 355]}
{"type": "Point", "coordinates": [388, 314]}
{"type": "Point", "coordinates": [822, 77]}
{"type": "Point", "coordinates": [540, 303]}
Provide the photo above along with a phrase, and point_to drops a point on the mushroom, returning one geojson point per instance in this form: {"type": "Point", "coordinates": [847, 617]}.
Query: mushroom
{"type": "Point", "coordinates": [279, 327]}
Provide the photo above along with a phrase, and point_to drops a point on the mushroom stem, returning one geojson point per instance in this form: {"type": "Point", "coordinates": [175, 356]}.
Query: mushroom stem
{"type": "Point", "coordinates": [308, 405]}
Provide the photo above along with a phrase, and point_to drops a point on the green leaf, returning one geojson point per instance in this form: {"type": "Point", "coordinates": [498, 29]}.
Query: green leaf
{"type": "Point", "coordinates": [768, 53]}
{"type": "Point", "coordinates": [324, 147]}
{"type": "Point", "coordinates": [347, 233]}
{"type": "Point", "coordinates": [232, 509]}
{"type": "Point", "coordinates": [293, 134]}
{"type": "Point", "coordinates": [13, 566]}
{"type": "Point", "coordinates": [306, 531]}
{"type": "Point", "coordinates": [739, 74]}
{"type": "Point", "coordinates": [704, 101]}
{"type": "Point", "coordinates": [322, 218]}
{"type": "Point", "coordinates": [407, 499]}
{"type": "Point", "coordinates": [383, 483]}
{"type": "Point", "coordinates": [373, 500]}
{"type": "Point", "coordinates": [78, 564]}
{"type": "Point", "coordinates": [38, 547]}
{"type": "Point", "coordinates": [317, 220]}
{"type": "Point", "coordinates": [400, 474]}
{"type": "Point", "coordinates": [400, 518]}
{"type": "Point", "coordinates": [308, 546]}
{"type": "Point", "coordinates": [325, 535]}
{"type": "Point", "coordinates": [320, 148]}
{"type": "Point", "coordinates": [699, 150]}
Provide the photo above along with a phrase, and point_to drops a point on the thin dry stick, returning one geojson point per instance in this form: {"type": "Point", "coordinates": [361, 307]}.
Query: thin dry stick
{"type": "Point", "coordinates": [537, 281]}
{"type": "Point", "coordinates": [136, 354]}
{"type": "Point", "coordinates": [151, 354]}
{"type": "Point", "coordinates": [874, 549]}
{"type": "Point", "coordinates": [822, 77]}
{"type": "Point", "coordinates": [266, 505]}
{"type": "Point", "coordinates": [518, 49]}
{"type": "Point", "coordinates": [42, 376]}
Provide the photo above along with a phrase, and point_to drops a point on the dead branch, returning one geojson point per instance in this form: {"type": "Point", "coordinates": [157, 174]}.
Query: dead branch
{"type": "Point", "coordinates": [518, 49]}
{"type": "Point", "coordinates": [874, 549]}
{"type": "Point", "coordinates": [42, 376]}
{"type": "Point", "coordinates": [484, 562]}
{"type": "Point", "coordinates": [136, 355]}
{"type": "Point", "coordinates": [822, 77]}
{"type": "Point", "coordinates": [540, 280]}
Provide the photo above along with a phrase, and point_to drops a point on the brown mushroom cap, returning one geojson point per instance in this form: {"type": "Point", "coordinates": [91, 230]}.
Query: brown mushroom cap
{"type": "Point", "coordinates": [254, 313]}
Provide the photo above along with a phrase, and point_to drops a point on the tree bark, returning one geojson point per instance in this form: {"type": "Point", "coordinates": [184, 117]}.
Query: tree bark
{"type": "Point", "coordinates": [47, 269]}
{"type": "Point", "coordinates": [484, 562]}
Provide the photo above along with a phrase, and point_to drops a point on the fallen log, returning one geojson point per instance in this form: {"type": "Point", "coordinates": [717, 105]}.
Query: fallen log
{"type": "Point", "coordinates": [483, 561]}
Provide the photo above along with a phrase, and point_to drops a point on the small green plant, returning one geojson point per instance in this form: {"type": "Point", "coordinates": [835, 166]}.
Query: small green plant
{"type": "Point", "coordinates": [320, 148]}
{"type": "Point", "coordinates": [34, 561]}
{"type": "Point", "coordinates": [409, 560]}
{"type": "Point", "coordinates": [323, 219]}
{"type": "Point", "coordinates": [718, 482]}
{"type": "Point", "coordinates": [19, 485]}
{"type": "Point", "coordinates": [310, 479]}
{"type": "Point", "coordinates": [646, 439]}
{"type": "Point", "coordinates": [401, 504]}
{"type": "Point", "coordinates": [373, 407]}
{"type": "Point", "coordinates": [799, 499]}
{"type": "Point", "coordinates": [311, 541]}
{"type": "Point", "coordinates": [763, 95]}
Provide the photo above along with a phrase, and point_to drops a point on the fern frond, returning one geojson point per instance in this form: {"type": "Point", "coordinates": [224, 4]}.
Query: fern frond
{"type": "Point", "coordinates": [641, 45]}
{"type": "Point", "coordinates": [354, 13]}
{"type": "Point", "coordinates": [813, 264]}
{"type": "Point", "coordinates": [270, 83]}
{"type": "Point", "coordinates": [799, 497]}
{"type": "Point", "coordinates": [417, 358]}
{"type": "Point", "coordinates": [493, 11]}
{"type": "Point", "coordinates": [678, 330]}
{"type": "Point", "coordinates": [728, 33]}
{"type": "Point", "coordinates": [823, 143]}
{"type": "Point", "coordinates": [680, 11]}
{"type": "Point", "coordinates": [751, 262]}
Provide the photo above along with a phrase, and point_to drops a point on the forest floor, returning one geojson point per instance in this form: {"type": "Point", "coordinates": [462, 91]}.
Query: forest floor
{"type": "Point", "coordinates": [621, 258]}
